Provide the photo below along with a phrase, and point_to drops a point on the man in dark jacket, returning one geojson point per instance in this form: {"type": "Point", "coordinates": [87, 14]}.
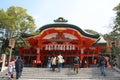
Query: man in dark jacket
{"type": "Point", "coordinates": [18, 67]}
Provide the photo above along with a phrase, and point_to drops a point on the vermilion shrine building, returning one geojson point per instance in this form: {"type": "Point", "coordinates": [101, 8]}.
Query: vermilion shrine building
{"type": "Point", "coordinates": [60, 37]}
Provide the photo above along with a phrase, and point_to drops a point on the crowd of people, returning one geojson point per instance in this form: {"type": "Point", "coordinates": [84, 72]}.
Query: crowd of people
{"type": "Point", "coordinates": [102, 62]}
{"type": "Point", "coordinates": [57, 62]}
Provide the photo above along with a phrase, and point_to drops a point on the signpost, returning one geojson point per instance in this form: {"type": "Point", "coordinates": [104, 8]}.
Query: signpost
{"type": "Point", "coordinates": [3, 62]}
{"type": "Point", "coordinates": [11, 45]}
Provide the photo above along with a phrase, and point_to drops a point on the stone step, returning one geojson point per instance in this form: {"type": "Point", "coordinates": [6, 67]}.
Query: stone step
{"type": "Point", "coordinates": [65, 74]}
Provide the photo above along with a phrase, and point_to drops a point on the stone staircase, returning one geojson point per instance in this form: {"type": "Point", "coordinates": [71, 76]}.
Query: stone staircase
{"type": "Point", "coordinates": [68, 73]}
{"type": "Point", "coordinates": [30, 73]}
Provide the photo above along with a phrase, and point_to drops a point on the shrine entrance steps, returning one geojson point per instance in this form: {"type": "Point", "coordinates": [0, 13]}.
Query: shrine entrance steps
{"type": "Point", "coordinates": [30, 73]}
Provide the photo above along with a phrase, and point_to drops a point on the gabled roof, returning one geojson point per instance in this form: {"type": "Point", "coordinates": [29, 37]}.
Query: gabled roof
{"type": "Point", "coordinates": [100, 42]}
{"type": "Point", "coordinates": [69, 26]}
{"type": "Point", "coordinates": [97, 40]}
{"type": "Point", "coordinates": [61, 23]}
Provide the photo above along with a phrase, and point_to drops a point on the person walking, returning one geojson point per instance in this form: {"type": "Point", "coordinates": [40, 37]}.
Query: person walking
{"type": "Point", "coordinates": [60, 61]}
{"type": "Point", "coordinates": [10, 69]}
{"type": "Point", "coordinates": [49, 62]}
{"type": "Point", "coordinates": [76, 64]}
{"type": "Point", "coordinates": [102, 64]}
{"type": "Point", "coordinates": [83, 62]}
{"type": "Point", "coordinates": [18, 67]}
{"type": "Point", "coordinates": [53, 62]}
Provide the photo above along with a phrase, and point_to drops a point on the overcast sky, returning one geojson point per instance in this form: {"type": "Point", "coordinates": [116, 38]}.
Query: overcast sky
{"type": "Point", "coordinates": [86, 14]}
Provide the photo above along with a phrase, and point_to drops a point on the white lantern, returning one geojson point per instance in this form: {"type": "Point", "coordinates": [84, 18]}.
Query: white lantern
{"type": "Point", "coordinates": [82, 51]}
{"type": "Point", "coordinates": [67, 47]}
{"type": "Point", "coordinates": [38, 50]}
{"type": "Point", "coordinates": [73, 47]}
{"type": "Point", "coordinates": [70, 47]}
{"type": "Point", "coordinates": [49, 47]}
{"type": "Point", "coordinates": [60, 47]}
{"type": "Point", "coordinates": [55, 47]}
{"type": "Point", "coordinates": [45, 47]}
{"type": "Point", "coordinates": [63, 47]}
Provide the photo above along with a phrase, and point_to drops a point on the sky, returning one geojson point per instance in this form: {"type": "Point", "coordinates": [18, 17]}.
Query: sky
{"type": "Point", "coordinates": [97, 15]}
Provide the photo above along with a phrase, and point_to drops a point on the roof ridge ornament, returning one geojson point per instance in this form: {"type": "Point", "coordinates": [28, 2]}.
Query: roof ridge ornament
{"type": "Point", "coordinates": [60, 19]}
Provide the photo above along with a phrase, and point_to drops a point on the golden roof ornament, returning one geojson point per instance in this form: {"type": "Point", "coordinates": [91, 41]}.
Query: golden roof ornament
{"type": "Point", "coordinates": [60, 19]}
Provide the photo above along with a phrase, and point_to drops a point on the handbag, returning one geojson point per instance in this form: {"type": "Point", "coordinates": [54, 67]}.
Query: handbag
{"type": "Point", "coordinates": [12, 76]}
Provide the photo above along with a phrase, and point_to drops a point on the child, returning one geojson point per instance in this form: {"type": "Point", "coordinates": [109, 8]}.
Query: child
{"type": "Point", "coordinates": [10, 69]}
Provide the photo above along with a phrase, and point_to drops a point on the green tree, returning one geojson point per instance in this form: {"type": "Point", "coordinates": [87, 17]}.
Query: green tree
{"type": "Point", "coordinates": [14, 22]}
{"type": "Point", "coordinates": [116, 27]}
{"type": "Point", "coordinates": [115, 33]}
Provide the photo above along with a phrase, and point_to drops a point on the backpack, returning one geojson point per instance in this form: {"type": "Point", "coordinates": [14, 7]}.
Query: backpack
{"type": "Point", "coordinates": [103, 62]}
{"type": "Point", "coordinates": [76, 60]}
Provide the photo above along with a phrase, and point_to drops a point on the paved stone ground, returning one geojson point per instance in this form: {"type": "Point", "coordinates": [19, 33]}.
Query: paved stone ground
{"type": "Point", "coordinates": [65, 74]}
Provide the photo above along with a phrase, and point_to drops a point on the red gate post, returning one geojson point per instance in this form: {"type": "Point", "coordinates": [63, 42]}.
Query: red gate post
{"type": "Point", "coordinates": [37, 61]}
{"type": "Point", "coordinates": [87, 63]}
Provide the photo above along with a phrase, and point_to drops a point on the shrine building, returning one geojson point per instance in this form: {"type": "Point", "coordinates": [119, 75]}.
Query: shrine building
{"type": "Point", "coordinates": [60, 37]}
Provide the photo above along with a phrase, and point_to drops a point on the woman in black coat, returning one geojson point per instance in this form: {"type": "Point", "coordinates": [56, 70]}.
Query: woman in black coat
{"type": "Point", "coordinates": [18, 67]}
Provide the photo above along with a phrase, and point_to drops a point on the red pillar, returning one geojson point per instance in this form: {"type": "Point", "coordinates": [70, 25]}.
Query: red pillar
{"type": "Point", "coordinates": [21, 51]}
{"type": "Point", "coordinates": [87, 63]}
{"type": "Point", "coordinates": [38, 60]}
{"type": "Point", "coordinates": [38, 54]}
{"type": "Point", "coordinates": [81, 56]}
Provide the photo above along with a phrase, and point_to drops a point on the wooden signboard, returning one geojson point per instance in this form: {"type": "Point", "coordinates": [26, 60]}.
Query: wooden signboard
{"type": "Point", "coordinates": [11, 43]}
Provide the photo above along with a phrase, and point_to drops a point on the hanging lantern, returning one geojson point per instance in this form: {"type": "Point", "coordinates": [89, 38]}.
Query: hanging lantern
{"type": "Point", "coordinates": [60, 47]}
{"type": "Point", "coordinates": [67, 47]}
{"type": "Point", "coordinates": [82, 51]}
{"type": "Point", "coordinates": [38, 50]}
{"type": "Point", "coordinates": [63, 47]}
{"type": "Point", "coordinates": [73, 48]}
{"type": "Point", "coordinates": [55, 47]}
{"type": "Point", "coordinates": [49, 47]}
{"type": "Point", "coordinates": [52, 47]}
{"type": "Point", "coordinates": [46, 47]}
